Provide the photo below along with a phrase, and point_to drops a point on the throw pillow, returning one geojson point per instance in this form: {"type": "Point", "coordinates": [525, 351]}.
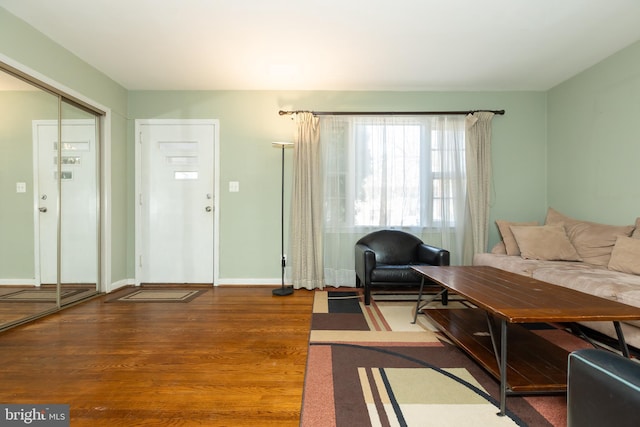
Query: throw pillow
{"type": "Point", "coordinates": [636, 232]}
{"type": "Point", "coordinates": [555, 217]}
{"type": "Point", "coordinates": [544, 242]}
{"type": "Point", "coordinates": [507, 236]}
{"type": "Point", "coordinates": [625, 256]}
{"type": "Point", "coordinates": [593, 241]}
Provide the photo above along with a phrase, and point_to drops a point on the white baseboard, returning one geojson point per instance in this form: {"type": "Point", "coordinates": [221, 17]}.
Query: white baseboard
{"type": "Point", "coordinates": [119, 284]}
{"type": "Point", "coordinates": [31, 282]}
{"type": "Point", "coordinates": [131, 282]}
{"type": "Point", "coordinates": [221, 282]}
{"type": "Point", "coordinates": [21, 282]}
{"type": "Point", "coordinates": [251, 282]}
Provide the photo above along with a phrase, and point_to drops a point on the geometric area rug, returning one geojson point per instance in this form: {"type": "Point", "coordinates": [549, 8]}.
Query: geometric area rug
{"type": "Point", "coordinates": [369, 366]}
{"type": "Point", "coordinates": [159, 295]}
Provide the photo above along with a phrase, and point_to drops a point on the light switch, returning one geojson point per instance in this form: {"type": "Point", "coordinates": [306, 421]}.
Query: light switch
{"type": "Point", "coordinates": [21, 187]}
{"type": "Point", "coordinates": [234, 186]}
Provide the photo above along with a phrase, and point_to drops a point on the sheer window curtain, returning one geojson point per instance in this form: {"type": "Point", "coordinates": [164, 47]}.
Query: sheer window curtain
{"type": "Point", "coordinates": [478, 137]}
{"type": "Point", "coordinates": [396, 172]}
{"type": "Point", "coordinates": [306, 206]}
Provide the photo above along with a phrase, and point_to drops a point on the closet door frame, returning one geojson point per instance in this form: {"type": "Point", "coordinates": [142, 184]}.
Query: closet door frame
{"type": "Point", "coordinates": [103, 122]}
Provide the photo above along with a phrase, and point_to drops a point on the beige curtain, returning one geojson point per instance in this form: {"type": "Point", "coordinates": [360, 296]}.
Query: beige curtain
{"type": "Point", "coordinates": [306, 206]}
{"type": "Point", "coordinates": [371, 166]}
{"type": "Point", "coordinates": [478, 160]}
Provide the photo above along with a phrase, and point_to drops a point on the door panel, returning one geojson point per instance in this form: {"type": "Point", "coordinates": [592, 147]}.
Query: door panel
{"type": "Point", "coordinates": [78, 201]}
{"type": "Point", "coordinates": [176, 203]}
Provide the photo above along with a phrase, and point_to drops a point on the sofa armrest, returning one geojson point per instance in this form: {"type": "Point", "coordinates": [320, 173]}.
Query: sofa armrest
{"type": "Point", "coordinates": [433, 255]}
{"type": "Point", "coordinates": [603, 388]}
{"type": "Point", "coordinates": [365, 262]}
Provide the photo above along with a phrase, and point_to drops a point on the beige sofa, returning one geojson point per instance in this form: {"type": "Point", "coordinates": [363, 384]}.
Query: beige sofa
{"type": "Point", "coordinates": [599, 259]}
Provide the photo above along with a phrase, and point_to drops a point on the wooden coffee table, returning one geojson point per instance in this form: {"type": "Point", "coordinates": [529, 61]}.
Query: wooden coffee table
{"type": "Point", "coordinates": [504, 299]}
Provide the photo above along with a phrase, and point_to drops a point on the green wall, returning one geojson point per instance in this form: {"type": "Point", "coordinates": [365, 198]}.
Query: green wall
{"type": "Point", "coordinates": [249, 121]}
{"type": "Point", "coordinates": [22, 44]}
{"type": "Point", "coordinates": [594, 141]}
{"type": "Point", "coordinates": [18, 109]}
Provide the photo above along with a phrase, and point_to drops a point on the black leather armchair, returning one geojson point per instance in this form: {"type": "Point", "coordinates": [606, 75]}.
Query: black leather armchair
{"type": "Point", "coordinates": [603, 389]}
{"type": "Point", "coordinates": [385, 258]}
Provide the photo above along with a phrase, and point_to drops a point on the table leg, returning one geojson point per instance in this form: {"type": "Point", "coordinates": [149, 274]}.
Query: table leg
{"type": "Point", "coordinates": [503, 367]}
{"type": "Point", "coordinates": [418, 306]}
{"type": "Point", "coordinates": [624, 349]}
{"type": "Point", "coordinates": [501, 359]}
{"type": "Point", "coordinates": [623, 344]}
{"type": "Point", "coordinates": [493, 334]}
{"type": "Point", "coordinates": [415, 316]}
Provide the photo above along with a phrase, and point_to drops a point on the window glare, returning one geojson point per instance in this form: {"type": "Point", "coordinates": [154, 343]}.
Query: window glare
{"type": "Point", "coordinates": [393, 172]}
{"type": "Point", "coordinates": [388, 175]}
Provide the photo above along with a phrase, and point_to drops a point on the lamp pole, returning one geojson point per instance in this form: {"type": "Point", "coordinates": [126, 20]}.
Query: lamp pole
{"type": "Point", "coordinates": [283, 290]}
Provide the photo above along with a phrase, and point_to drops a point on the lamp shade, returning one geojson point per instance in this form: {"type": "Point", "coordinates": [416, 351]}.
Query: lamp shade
{"type": "Point", "coordinates": [282, 144]}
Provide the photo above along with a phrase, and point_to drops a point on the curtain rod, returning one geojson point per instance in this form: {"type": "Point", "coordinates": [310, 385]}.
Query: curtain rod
{"type": "Point", "coordinates": [389, 113]}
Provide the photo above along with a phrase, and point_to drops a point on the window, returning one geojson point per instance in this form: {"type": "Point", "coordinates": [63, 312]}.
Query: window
{"type": "Point", "coordinates": [393, 171]}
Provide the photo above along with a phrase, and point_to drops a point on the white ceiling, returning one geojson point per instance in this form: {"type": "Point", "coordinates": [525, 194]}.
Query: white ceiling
{"type": "Point", "coordinates": [336, 44]}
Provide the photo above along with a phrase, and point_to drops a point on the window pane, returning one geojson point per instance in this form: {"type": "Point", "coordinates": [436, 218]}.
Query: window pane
{"type": "Point", "coordinates": [387, 176]}
{"type": "Point", "coordinates": [392, 171]}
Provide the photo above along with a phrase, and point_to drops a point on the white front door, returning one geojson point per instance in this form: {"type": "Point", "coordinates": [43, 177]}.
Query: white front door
{"type": "Point", "coordinates": [78, 213]}
{"type": "Point", "coordinates": [176, 201]}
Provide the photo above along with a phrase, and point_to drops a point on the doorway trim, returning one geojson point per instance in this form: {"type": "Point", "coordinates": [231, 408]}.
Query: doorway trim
{"type": "Point", "coordinates": [216, 187]}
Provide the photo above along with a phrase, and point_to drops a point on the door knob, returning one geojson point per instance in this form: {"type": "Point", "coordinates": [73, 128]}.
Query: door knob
{"type": "Point", "coordinates": [43, 209]}
{"type": "Point", "coordinates": [208, 209]}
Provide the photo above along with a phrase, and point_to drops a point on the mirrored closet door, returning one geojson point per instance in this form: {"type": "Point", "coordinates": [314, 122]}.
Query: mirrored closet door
{"type": "Point", "coordinates": [49, 214]}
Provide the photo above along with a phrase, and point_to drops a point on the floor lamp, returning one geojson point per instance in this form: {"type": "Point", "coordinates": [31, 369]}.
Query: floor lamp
{"type": "Point", "coordinates": [283, 290]}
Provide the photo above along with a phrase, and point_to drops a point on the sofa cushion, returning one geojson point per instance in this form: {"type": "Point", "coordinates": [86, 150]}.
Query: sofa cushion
{"type": "Point", "coordinates": [507, 235]}
{"type": "Point", "coordinates": [394, 274]}
{"type": "Point", "coordinates": [591, 279]}
{"type": "Point", "coordinates": [499, 248]}
{"type": "Point", "coordinates": [516, 264]}
{"type": "Point", "coordinates": [544, 242]}
{"type": "Point", "coordinates": [593, 242]}
{"type": "Point", "coordinates": [625, 256]}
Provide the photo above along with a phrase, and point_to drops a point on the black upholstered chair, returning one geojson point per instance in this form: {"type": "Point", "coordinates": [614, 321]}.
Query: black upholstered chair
{"type": "Point", "coordinates": [603, 389]}
{"type": "Point", "coordinates": [385, 258]}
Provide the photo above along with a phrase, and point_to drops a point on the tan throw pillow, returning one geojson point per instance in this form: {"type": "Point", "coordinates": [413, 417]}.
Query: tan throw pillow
{"type": "Point", "coordinates": [507, 236]}
{"type": "Point", "coordinates": [593, 242]}
{"type": "Point", "coordinates": [555, 217]}
{"type": "Point", "coordinates": [636, 232]}
{"type": "Point", "coordinates": [544, 242]}
{"type": "Point", "coordinates": [625, 256]}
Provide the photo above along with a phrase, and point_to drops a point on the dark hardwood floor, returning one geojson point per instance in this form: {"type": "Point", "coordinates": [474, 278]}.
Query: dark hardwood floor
{"type": "Point", "coordinates": [234, 356]}
{"type": "Point", "coordinates": [14, 312]}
